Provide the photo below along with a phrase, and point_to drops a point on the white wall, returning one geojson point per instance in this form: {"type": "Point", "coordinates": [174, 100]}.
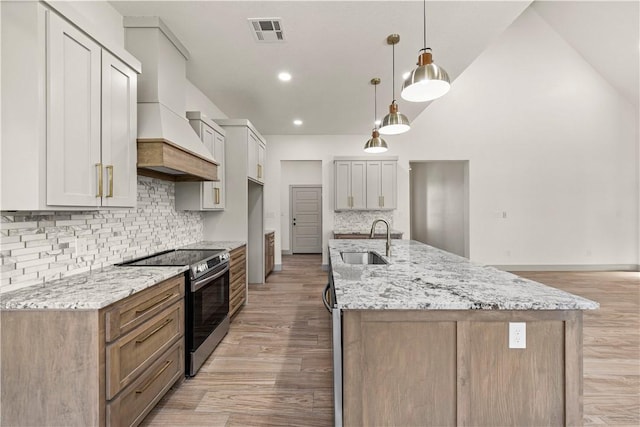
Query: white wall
{"type": "Point", "coordinates": [548, 140]}
{"type": "Point", "coordinates": [294, 173]}
{"type": "Point", "coordinates": [198, 101]}
{"type": "Point", "coordinates": [438, 202]}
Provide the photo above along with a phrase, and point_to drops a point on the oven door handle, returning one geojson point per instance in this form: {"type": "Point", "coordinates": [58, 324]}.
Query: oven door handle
{"type": "Point", "coordinates": [196, 286]}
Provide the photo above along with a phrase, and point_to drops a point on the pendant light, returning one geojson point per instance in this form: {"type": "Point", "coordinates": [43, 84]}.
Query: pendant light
{"type": "Point", "coordinates": [375, 144]}
{"type": "Point", "coordinates": [428, 81]}
{"type": "Point", "coordinates": [394, 123]}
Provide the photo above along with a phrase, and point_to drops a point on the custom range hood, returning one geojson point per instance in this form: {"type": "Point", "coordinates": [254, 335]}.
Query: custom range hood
{"type": "Point", "coordinates": [168, 148]}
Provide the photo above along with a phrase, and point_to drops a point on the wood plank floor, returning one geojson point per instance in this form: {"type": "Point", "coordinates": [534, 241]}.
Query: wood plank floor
{"type": "Point", "coordinates": [274, 366]}
{"type": "Point", "coordinates": [611, 342]}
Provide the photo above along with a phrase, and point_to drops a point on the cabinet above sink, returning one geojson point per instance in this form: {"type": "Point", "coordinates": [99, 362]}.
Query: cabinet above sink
{"type": "Point", "coordinates": [365, 183]}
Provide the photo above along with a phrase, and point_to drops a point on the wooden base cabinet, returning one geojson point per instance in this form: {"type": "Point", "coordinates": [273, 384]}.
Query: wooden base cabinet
{"type": "Point", "coordinates": [447, 368]}
{"type": "Point", "coordinates": [269, 253]}
{"type": "Point", "coordinates": [237, 279]}
{"type": "Point", "coordinates": [93, 367]}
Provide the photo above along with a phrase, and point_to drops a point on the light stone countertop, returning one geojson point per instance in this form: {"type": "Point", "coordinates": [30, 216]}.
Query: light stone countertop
{"type": "Point", "coordinates": [87, 291]}
{"type": "Point", "coordinates": [100, 288]}
{"type": "Point", "coordinates": [228, 245]}
{"type": "Point", "coordinates": [379, 230]}
{"type": "Point", "coordinates": [421, 277]}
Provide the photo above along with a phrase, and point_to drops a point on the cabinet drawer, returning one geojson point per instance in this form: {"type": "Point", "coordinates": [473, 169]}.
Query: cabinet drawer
{"type": "Point", "coordinates": [137, 400]}
{"type": "Point", "coordinates": [238, 283]}
{"type": "Point", "coordinates": [238, 253]}
{"type": "Point", "coordinates": [236, 302]}
{"type": "Point", "coordinates": [133, 311]}
{"type": "Point", "coordinates": [134, 352]}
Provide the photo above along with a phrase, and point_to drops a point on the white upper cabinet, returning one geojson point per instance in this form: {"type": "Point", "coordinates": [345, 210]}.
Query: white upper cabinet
{"type": "Point", "coordinates": [73, 116]}
{"type": "Point", "coordinates": [119, 126]}
{"type": "Point", "coordinates": [381, 184]}
{"type": "Point", "coordinates": [68, 115]}
{"type": "Point", "coordinates": [255, 158]}
{"type": "Point", "coordinates": [208, 195]}
{"type": "Point", "coordinates": [365, 184]}
{"type": "Point", "coordinates": [350, 185]}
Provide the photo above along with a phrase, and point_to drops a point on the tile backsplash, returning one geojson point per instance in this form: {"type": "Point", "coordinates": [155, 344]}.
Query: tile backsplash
{"type": "Point", "coordinates": [359, 220]}
{"type": "Point", "coordinates": [42, 246]}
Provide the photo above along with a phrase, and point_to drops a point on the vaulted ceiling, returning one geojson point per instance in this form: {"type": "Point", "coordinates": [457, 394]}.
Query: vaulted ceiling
{"type": "Point", "coordinates": [333, 48]}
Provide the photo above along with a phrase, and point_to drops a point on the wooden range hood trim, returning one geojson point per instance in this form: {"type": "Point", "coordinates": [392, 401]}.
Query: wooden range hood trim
{"type": "Point", "coordinates": [158, 152]}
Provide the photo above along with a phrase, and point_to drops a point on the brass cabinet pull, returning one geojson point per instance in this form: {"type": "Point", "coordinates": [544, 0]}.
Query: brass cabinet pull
{"type": "Point", "coordinates": [382, 197]}
{"type": "Point", "coordinates": [154, 304]}
{"type": "Point", "coordinates": [110, 179]}
{"type": "Point", "coordinates": [259, 170]}
{"type": "Point", "coordinates": [155, 376]}
{"type": "Point", "coordinates": [150, 334]}
{"type": "Point", "coordinates": [217, 195]}
{"type": "Point", "coordinates": [99, 167]}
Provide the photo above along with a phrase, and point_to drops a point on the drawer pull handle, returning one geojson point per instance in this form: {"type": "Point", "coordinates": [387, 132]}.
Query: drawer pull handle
{"type": "Point", "coordinates": [157, 374]}
{"type": "Point", "coordinates": [146, 337]}
{"type": "Point", "coordinates": [154, 304]}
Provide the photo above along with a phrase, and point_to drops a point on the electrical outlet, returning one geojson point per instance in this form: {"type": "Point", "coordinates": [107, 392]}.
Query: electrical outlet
{"type": "Point", "coordinates": [517, 335]}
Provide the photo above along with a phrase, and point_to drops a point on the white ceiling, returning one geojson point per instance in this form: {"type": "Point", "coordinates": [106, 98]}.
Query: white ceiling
{"type": "Point", "coordinates": [333, 49]}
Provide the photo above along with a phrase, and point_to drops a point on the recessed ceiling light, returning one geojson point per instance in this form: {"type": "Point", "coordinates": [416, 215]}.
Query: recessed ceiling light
{"type": "Point", "coordinates": [405, 75]}
{"type": "Point", "coordinates": [284, 76]}
{"type": "Point", "coordinates": [297, 122]}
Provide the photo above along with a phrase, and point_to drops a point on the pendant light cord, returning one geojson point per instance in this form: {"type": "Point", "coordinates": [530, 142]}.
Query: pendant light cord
{"type": "Point", "coordinates": [393, 71]}
{"type": "Point", "coordinates": [424, 26]}
{"type": "Point", "coordinates": [375, 105]}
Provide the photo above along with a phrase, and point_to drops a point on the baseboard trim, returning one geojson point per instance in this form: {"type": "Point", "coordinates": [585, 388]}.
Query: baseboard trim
{"type": "Point", "coordinates": [277, 267]}
{"type": "Point", "coordinates": [325, 267]}
{"type": "Point", "coordinates": [570, 267]}
{"type": "Point", "coordinates": [287, 252]}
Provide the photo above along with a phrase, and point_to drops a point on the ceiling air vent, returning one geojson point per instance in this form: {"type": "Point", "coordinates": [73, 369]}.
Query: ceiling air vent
{"type": "Point", "coordinates": [266, 30]}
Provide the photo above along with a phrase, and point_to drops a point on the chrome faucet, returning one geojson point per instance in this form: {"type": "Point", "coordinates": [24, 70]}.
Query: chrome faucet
{"type": "Point", "coordinates": [373, 232]}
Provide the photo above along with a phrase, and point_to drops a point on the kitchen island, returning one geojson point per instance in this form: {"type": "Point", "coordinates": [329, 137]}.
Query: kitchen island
{"type": "Point", "coordinates": [425, 341]}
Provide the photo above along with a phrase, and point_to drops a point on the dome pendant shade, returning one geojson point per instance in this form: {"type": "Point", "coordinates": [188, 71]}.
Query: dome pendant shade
{"type": "Point", "coordinates": [375, 144]}
{"type": "Point", "coordinates": [426, 82]}
{"type": "Point", "coordinates": [394, 123]}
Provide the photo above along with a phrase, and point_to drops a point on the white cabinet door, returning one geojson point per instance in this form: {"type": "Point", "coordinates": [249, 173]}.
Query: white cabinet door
{"type": "Point", "coordinates": [119, 115]}
{"type": "Point", "coordinates": [261, 160]}
{"type": "Point", "coordinates": [252, 156]}
{"type": "Point", "coordinates": [208, 195]}
{"type": "Point", "coordinates": [219, 187]}
{"type": "Point", "coordinates": [207, 135]}
{"type": "Point", "coordinates": [74, 167]}
{"type": "Point", "coordinates": [342, 185]}
{"type": "Point", "coordinates": [358, 185]}
{"type": "Point", "coordinates": [381, 185]}
{"type": "Point", "coordinates": [388, 184]}
{"type": "Point", "coordinates": [350, 185]}
{"type": "Point", "coordinates": [374, 178]}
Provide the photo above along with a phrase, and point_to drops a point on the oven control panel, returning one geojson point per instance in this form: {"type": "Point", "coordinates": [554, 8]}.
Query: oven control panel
{"type": "Point", "coordinates": [204, 266]}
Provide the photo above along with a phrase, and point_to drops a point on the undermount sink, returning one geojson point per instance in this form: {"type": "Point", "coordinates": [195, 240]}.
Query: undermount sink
{"type": "Point", "coordinates": [362, 258]}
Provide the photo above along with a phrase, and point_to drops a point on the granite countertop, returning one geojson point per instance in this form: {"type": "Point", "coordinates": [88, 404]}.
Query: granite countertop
{"type": "Point", "coordinates": [99, 288]}
{"type": "Point", "coordinates": [421, 277]}
{"type": "Point", "coordinates": [379, 230]}
{"type": "Point", "coordinates": [228, 245]}
{"type": "Point", "coordinates": [87, 291]}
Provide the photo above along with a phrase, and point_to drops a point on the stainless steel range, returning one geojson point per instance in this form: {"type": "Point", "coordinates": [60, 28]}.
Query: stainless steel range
{"type": "Point", "coordinates": [206, 298]}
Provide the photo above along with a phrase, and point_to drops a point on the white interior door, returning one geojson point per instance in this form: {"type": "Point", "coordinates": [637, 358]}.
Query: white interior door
{"type": "Point", "coordinates": [306, 220]}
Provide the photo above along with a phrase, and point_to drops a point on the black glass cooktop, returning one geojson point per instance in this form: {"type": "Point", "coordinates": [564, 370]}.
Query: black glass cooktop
{"type": "Point", "coordinates": [176, 258]}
